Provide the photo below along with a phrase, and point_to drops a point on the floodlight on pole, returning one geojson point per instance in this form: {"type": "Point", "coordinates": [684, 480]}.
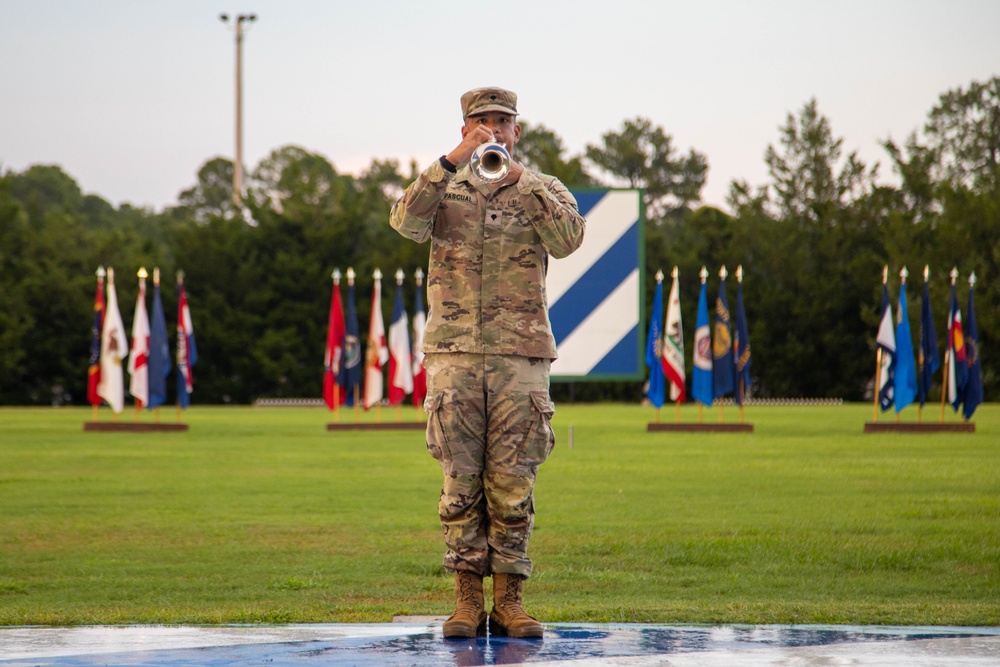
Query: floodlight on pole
{"type": "Point", "coordinates": [237, 23]}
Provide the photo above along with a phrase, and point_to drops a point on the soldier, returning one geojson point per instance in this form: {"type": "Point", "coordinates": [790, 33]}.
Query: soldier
{"type": "Point", "coordinates": [488, 346]}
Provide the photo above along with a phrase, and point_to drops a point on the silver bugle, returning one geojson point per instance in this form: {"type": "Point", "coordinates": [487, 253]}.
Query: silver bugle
{"type": "Point", "coordinates": [490, 162]}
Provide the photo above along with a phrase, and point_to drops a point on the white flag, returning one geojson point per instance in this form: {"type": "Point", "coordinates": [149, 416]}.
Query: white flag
{"type": "Point", "coordinates": [673, 345]}
{"type": "Point", "coordinates": [138, 361]}
{"type": "Point", "coordinates": [114, 350]}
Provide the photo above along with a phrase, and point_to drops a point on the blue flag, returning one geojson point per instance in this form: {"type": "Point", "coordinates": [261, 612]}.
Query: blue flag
{"type": "Point", "coordinates": [723, 372]}
{"type": "Point", "coordinates": [906, 372]}
{"type": "Point", "coordinates": [957, 369]}
{"type": "Point", "coordinates": [886, 342]}
{"type": "Point", "coordinates": [159, 353]}
{"type": "Point", "coordinates": [701, 380]}
{"type": "Point", "coordinates": [350, 371]}
{"type": "Point", "coordinates": [741, 344]}
{"type": "Point", "coordinates": [973, 380]}
{"type": "Point", "coordinates": [928, 354]}
{"type": "Point", "coordinates": [657, 390]}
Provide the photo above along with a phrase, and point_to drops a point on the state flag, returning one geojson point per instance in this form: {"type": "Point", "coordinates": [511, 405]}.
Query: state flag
{"type": "Point", "coordinates": [928, 354]}
{"type": "Point", "coordinates": [741, 349]}
{"type": "Point", "coordinates": [114, 350]}
{"type": "Point", "coordinates": [333, 357]}
{"type": "Point", "coordinates": [722, 346]}
{"type": "Point", "coordinates": [656, 387]}
{"type": "Point", "coordinates": [905, 379]}
{"type": "Point", "coordinates": [885, 341]}
{"type": "Point", "coordinates": [400, 362]}
{"type": "Point", "coordinates": [419, 322]}
{"type": "Point", "coordinates": [973, 394]}
{"type": "Point", "coordinates": [187, 351]}
{"type": "Point", "coordinates": [96, 327]}
{"type": "Point", "coordinates": [376, 354]}
{"type": "Point", "coordinates": [673, 345]}
{"type": "Point", "coordinates": [159, 350]}
{"type": "Point", "coordinates": [138, 360]}
{"type": "Point", "coordinates": [350, 370]}
{"type": "Point", "coordinates": [701, 381]}
{"type": "Point", "coordinates": [957, 370]}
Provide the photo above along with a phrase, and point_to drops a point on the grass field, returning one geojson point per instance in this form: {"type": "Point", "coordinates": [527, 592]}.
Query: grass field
{"type": "Point", "coordinates": [261, 515]}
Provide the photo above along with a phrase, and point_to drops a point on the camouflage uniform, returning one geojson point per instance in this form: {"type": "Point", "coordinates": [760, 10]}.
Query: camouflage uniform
{"type": "Point", "coordinates": [488, 345]}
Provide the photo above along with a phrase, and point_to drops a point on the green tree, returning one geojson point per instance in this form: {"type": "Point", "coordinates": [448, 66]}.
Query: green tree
{"type": "Point", "coordinates": [642, 155]}
{"type": "Point", "coordinates": [542, 149]}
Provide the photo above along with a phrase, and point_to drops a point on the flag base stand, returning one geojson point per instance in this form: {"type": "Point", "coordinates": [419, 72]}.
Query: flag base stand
{"type": "Point", "coordinates": [699, 428]}
{"type": "Point", "coordinates": [133, 427]}
{"type": "Point", "coordinates": [913, 427]}
{"type": "Point", "coordinates": [373, 426]}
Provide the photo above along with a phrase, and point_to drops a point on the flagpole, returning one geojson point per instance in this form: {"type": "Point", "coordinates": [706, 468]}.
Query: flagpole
{"type": "Point", "coordinates": [736, 353]}
{"type": "Point", "coordinates": [142, 274]}
{"type": "Point", "coordinates": [336, 386]}
{"type": "Point", "coordinates": [180, 284]}
{"type": "Point", "coordinates": [920, 408]}
{"type": "Point", "coordinates": [377, 276]}
{"type": "Point", "coordinates": [418, 278]}
{"type": "Point", "coordinates": [659, 282]}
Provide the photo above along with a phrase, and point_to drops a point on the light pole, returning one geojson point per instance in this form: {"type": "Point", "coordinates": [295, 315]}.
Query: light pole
{"type": "Point", "coordinates": [238, 22]}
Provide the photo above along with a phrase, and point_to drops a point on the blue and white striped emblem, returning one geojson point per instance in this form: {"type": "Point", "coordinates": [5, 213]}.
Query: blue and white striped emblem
{"type": "Point", "coordinates": [595, 293]}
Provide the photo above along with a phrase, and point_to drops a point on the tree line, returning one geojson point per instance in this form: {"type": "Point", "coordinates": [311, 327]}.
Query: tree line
{"type": "Point", "coordinates": [812, 240]}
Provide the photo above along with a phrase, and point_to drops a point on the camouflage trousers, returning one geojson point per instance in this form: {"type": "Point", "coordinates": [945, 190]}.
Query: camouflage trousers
{"type": "Point", "coordinates": [489, 426]}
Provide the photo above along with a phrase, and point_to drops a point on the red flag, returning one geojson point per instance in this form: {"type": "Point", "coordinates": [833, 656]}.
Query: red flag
{"type": "Point", "coordinates": [400, 363]}
{"type": "Point", "coordinates": [334, 356]}
{"type": "Point", "coordinates": [94, 372]}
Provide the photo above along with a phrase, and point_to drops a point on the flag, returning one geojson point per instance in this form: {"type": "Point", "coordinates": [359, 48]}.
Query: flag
{"type": "Point", "coordinates": [741, 349]}
{"type": "Point", "coordinates": [114, 349]}
{"type": "Point", "coordinates": [94, 371]}
{"type": "Point", "coordinates": [159, 352]}
{"type": "Point", "coordinates": [138, 359]}
{"type": "Point", "coordinates": [656, 390]}
{"type": "Point", "coordinates": [973, 394]}
{"type": "Point", "coordinates": [673, 345]}
{"type": "Point", "coordinates": [419, 322]}
{"type": "Point", "coordinates": [400, 363]}
{"type": "Point", "coordinates": [187, 352]}
{"type": "Point", "coordinates": [905, 390]}
{"type": "Point", "coordinates": [701, 381]}
{"type": "Point", "coordinates": [722, 346]}
{"type": "Point", "coordinates": [886, 341]}
{"type": "Point", "coordinates": [333, 358]}
{"type": "Point", "coordinates": [349, 376]}
{"type": "Point", "coordinates": [928, 353]}
{"type": "Point", "coordinates": [957, 370]}
{"type": "Point", "coordinates": [376, 353]}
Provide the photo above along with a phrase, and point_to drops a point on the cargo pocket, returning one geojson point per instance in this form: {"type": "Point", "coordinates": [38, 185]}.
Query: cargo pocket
{"type": "Point", "coordinates": [437, 443]}
{"type": "Point", "coordinates": [540, 438]}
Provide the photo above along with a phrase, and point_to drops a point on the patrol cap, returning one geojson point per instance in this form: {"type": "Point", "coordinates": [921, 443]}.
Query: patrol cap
{"type": "Point", "coordinates": [481, 100]}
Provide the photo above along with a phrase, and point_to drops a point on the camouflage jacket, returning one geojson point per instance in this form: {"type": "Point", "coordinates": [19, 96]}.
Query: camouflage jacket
{"type": "Point", "coordinates": [488, 258]}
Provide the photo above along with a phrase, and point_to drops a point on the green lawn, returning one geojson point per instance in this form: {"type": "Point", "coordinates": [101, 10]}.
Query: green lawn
{"type": "Point", "coordinates": [261, 515]}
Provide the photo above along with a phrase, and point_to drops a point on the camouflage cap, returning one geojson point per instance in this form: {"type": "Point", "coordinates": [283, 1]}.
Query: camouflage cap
{"type": "Point", "coordinates": [481, 100]}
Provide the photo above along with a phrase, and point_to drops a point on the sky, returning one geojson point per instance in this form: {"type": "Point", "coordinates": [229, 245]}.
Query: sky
{"type": "Point", "coordinates": [132, 97]}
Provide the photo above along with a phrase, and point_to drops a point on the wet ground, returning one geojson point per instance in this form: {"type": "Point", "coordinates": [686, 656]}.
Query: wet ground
{"type": "Point", "coordinates": [419, 643]}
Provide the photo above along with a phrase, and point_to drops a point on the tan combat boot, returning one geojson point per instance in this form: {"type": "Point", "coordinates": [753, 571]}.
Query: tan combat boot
{"type": "Point", "coordinates": [508, 617]}
{"type": "Point", "coordinates": [469, 618]}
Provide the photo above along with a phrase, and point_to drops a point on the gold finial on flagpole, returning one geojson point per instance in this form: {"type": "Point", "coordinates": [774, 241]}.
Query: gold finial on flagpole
{"type": "Point", "coordinates": [954, 274]}
{"type": "Point", "coordinates": [659, 276]}
{"type": "Point", "coordinates": [111, 275]}
{"type": "Point", "coordinates": [903, 273]}
{"type": "Point", "coordinates": [142, 272]}
{"type": "Point", "coordinates": [885, 274]}
{"type": "Point", "coordinates": [156, 275]}
{"type": "Point", "coordinates": [399, 276]}
{"type": "Point", "coordinates": [101, 273]}
{"type": "Point", "coordinates": [377, 274]}
{"type": "Point", "coordinates": [739, 273]}
{"type": "Point", "coordinates": [972, 279]}
{"type": "Point", "coordinates": [180, 277]}
{"type": "Point", "coordinates": [350, 276]}
{"type": "Point", "coordinates": [419, 276]}
{"type": "Point", "coordinates": [674, 272]}
{"type": "Point", "coordinates": [927, 272]}
{"type": "Point", "coordinates": [336, 277]}
{"type": "Point", "coordinates": [723, 273]}
{"type": "Point", "coordinates": [703, 274]}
